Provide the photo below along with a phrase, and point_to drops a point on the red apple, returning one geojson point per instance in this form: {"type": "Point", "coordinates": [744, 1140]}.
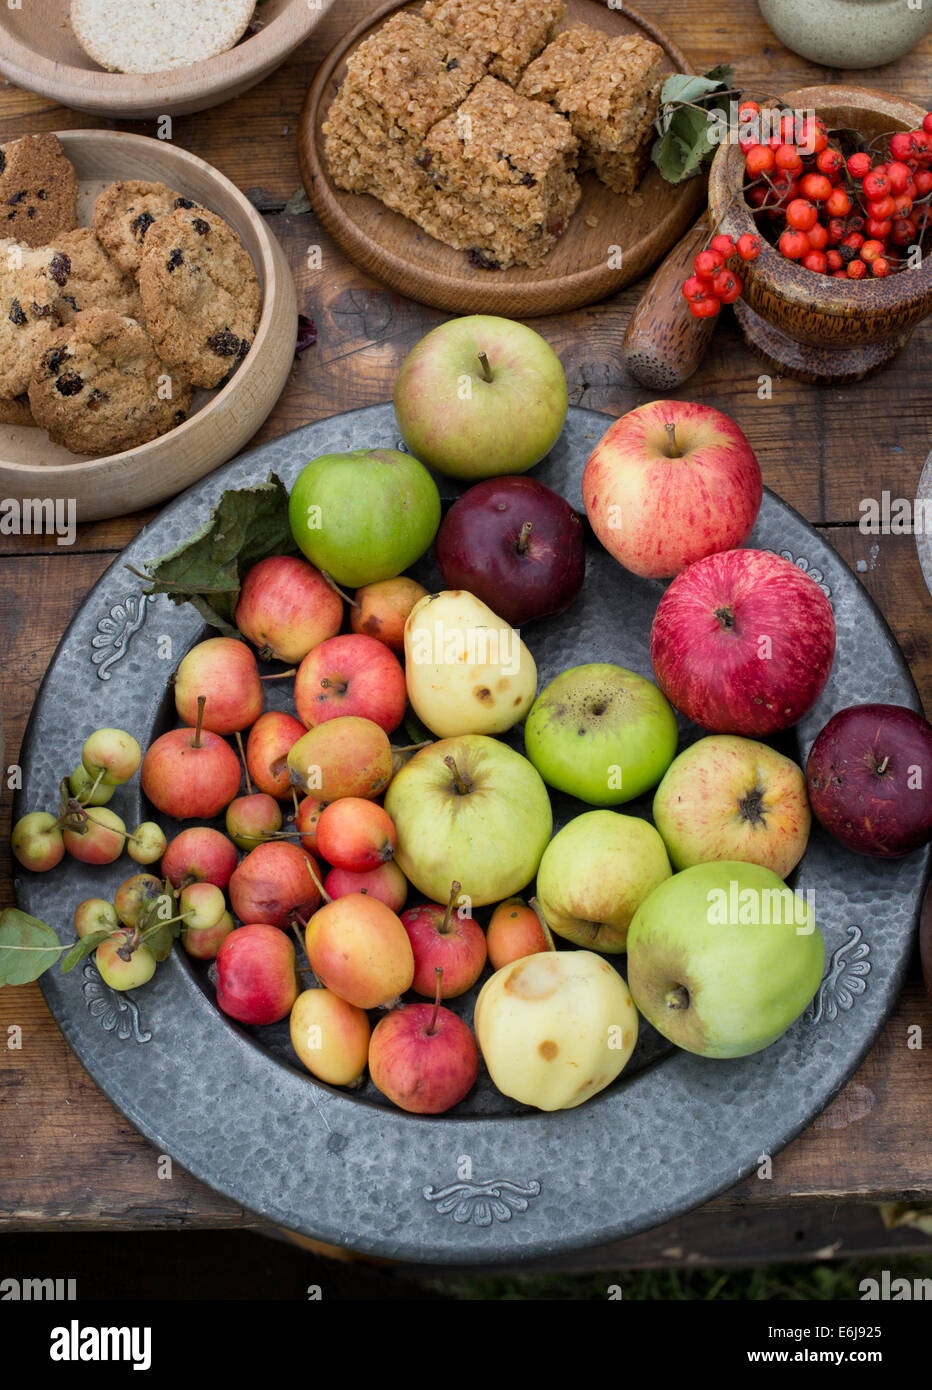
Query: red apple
{"type": "Point", "coordinates": [190, 773]}
{"type": "Point", "coordinates": [670, 483]}
{"type": "Point", "coordinates": [869, 775]}
{"type": "Point", "coordinates": [358, 947]}
{"type": "Point", "coordinates": [423, 1057]}
{"type": "Point", "coordinates": [257, 981]}
{"type": "Point", "coordinates": [351, 675]}
{"type": "Point", "coordinates": [224, 671]}
{"type": "Point", "coordinates": [381, 610]}
{"type": "Point", "coordinates": [199, 853]}
{"type": "Point", "coordinates": [307, 819]}
{"type": "Point", "coordinates": [742, 642]}
{"type": "Point", "coordinates": [274, 884]}
{"type": "Point", "coordinates": [515, 544]}
{"type": "Point", "coordinates": [356, 834]}
{"type": "Point", "coordinates": [100, 841]}
{"type": "Point", "coordinates": [387, 883]}
{"type": "Point", "coordinates": [443, 939]}
{"type": "Point", "coordinates": [347, 756]}
{"type": "Point", "coordinates": [514, 932]}
{"type": "Point", "coordinates": [205, 942]}
{"type": "Point", "coordinates": [251, 820]}
{"type": "Point", "coordinates": [270, 740]}
{"type": "Point", "coordinates": [286, 607]}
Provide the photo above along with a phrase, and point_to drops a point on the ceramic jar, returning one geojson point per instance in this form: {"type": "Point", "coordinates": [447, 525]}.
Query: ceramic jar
{"type": "Point", "coordinates": [849, 33]}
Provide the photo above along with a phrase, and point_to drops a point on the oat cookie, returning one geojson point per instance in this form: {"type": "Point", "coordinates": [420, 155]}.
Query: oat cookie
{"type": "Point", "coordinates": [125, 211]}
{"type": "Point", "coordinates": [142, 36]}
{"type": "Point", "coordinates": [32, 280]}
{"type": "Point", "coordinates": [15, 411]}
{"type": "Point", "coordinates": [38, 190]}
{"type": "Point", "coordinates": [96, 281]}
{"type": "Point", "coordinates": [98, 386]}
{"type": "Point", "coordinates": [200, 294]}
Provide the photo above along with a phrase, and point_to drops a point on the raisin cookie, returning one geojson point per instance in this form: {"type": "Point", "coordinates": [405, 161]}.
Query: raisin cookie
{"type": "Point", "coordinates": [125, 211]}
{"type": "Point", "coordinates": [99, 387]}
{"type": "Point", "coordinates": [16, 411]}
{"type": "Point", "coordinates": [32, 280]}
{"type": "Point", "coordinates": [38, 190]}
{"type": "Point", "coordinates": [200, 294]}
{"type": "Point", "coordinates": [96, 281]}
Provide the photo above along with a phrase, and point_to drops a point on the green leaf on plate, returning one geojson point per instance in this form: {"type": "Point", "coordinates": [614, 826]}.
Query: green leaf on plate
{"type": "Point", "coordinates": [247, 525]}
{"type": "Point", "coordinates": [83, 948]}
{"type": "Point", "coordinates": [690, 123]}
{"type": "Point", "coordinates": [28, 947]}
{"type": "Point", "coordinates": [298, 202]}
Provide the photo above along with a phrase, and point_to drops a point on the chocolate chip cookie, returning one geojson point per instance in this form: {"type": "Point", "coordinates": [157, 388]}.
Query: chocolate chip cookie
{"type": "Point", "coordinates": [38, 190]}
{"type": "Point", "coordinates": [32, 281]}
{"type": "Point", "coordinates": [96, 281]}
{"type": "Point", "coordinates": [200, 294]}
{"type": "Point", "coordinates": [99, 386]}
{"type": "Point", "coordinates": [125, 211]}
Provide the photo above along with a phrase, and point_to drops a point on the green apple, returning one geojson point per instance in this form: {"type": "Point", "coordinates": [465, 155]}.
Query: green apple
{"type": "Point", "coordinates": [733, 798]}
{"type": "Point", "coordinates": [481, 396]}
{"type": "Point", "coordinates": [601, 733]}
{"type": "Point", "coordinates": [723, 957]}
{"type": "Point", "coordinates": [473, 811]}
{"type": "Point", "coordinates": [594, 875]}
{"type": "Point", "coordinates": [365, 515]}
{"type": "Point", "coordinates": [555, 1028]}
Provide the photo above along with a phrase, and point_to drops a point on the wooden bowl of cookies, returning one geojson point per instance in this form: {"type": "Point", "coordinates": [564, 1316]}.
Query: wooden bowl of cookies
{"type": "Point", "coordinates": [811, 326]}
{"type": "Point", "coordinates": [42, 52]}
{"type": "Point", "coordinates": [174, 349]}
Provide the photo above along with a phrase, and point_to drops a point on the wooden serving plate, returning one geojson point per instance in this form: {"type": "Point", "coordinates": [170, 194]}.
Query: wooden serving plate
{"type": "Point", "coordinates": [580, 269]}
{"type": "Point", "coordinates": [39, 52]}
{"type": "Point", "coordinates": [221, 421]}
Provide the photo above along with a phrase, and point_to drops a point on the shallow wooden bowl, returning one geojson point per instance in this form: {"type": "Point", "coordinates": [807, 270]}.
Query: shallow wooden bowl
{"type": "Point", "coordinates": [610, 241]}
{"type": "Point", "coordinates": [221, 421]}
{"type": "Point", "coordinates": [38, 51]}
{"type": "Point", "coordinates": [815, 327]}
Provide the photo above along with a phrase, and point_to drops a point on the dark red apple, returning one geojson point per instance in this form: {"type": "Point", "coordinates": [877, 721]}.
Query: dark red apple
{"type": "Point", "coordinates": [442, 938]}
{"type": "Point", "coordinates": [275, 884]}
{"type": "Point", "coordinates": [351, 675]}
{"type": "Point", "coordinates": [423, 1057]}
{"type": "Point", "coordinates": [515, 544]}
{"type": "Point", "coordinates": [742, 642]}
{"type": "Point", "coordinates": [869, 775]}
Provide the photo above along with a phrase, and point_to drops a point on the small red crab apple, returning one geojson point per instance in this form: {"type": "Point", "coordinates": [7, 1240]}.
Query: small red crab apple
{"type": "Point", "coordinates": [95, 914]}
{"type": "Point", "coordinates": [423, 1057]}
{"type": "Point", "coordinates": [448, 940]}
{"type": "Point", "coordinates": [111, 755]}
{"type": "Point", "coordinates": [134, 895]}
{"type": "Point", "coordinates": [101, 840]}
{"type": "Point", "coordinates": [286, 607]}
{"type": "Point", "coordinates": [199, 852]}
{"type": "Point", "coordinates": [356, 834]}
{"type": "Point", "coordinates": [257, 981]}
{"type": "Point", "coordinates": [251, 820]}
{"type": "Point", "coordinates": [121, 964]}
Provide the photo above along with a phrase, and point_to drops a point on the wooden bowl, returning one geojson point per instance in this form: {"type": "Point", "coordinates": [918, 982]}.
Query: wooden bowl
{"type": "Point", "coordinates": [610, 241]}
{"type": "Point", "coordinates": [221, 421]}
{"type": "Point", "coordinates": [811, 326]}
{"type": "Point", "coordinates": [39, 52]}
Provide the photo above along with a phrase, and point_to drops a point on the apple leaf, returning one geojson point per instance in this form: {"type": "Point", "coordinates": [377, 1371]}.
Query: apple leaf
{"type": "Point", "coordinates": [247, 525]}
{"type": "Point", "coordinates": [83, 947]}
{"type": "Point", "coordinates": [688, 133]}
{"type": "Point", "coordinates": [154, 926]}
{"type": "Point", "coordinates": [28, 947]}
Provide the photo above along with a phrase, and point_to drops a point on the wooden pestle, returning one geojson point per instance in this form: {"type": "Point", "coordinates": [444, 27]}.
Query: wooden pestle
{"type": "Point", "coordinates": [663, 344]}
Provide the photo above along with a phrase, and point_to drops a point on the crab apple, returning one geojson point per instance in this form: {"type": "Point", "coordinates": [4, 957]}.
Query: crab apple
{"type": "Point", "coordinates": [514, 932]}
{"type": "Point", "coordinates": [275, 884]}
{"type": "Point", "coordinates": [199, 853]}
{"type": "Point", "coordinates": [37, 841]}
{"type": "Point", "coordinates": [257, 980]}
{"type": "Point", "coordinates": [381, 610]}
{"type": "Point", "coordinates": [102, 839]}
{"type": "Point", "coordinates": [204, 944]}
{"type": "Point", "coordinates": [351, 675]}
{"type": "Point", "coordinates": [111, 754]}
{"type": "Point", "coordinates": [448, 939]}
{"type": "Point", "coordinates": [387, 883]}
{"type": "Point", "coordinates": [88, 790]}
{"type": "Point", "coordinates": [134, 895]}
{"type": "Point", "coordinates": [95, 914]}
{"type": "Point", "coordinates": [307, 819]}
{"type": "Point", "coordinates": [224, 670]}
{"type": "Point", "coordinates": [122, 967]}
{"type": "Point", "coordinates": [424, 1058]}
{"type": "Point", "coordinates": [190, 773]}
{"type": "Point", "coordinates": [286, 607]}
{"type": "Point", "coordinates": [359, 948]}
{"type": "Point", "coordinates": [201, 905]}
{"type": "Point", "coordinates": [251, 820]}
{"type": "Point", "coordinates": [356, 834]}
{"type": "Point", "coordinates": [330, 1036]}
{"type": "Point", "coordinates": [348, 756]}
{"type": "Point", "coordinates": [147, 843]}
{"type": "Point", "coordinates": [270, 740]}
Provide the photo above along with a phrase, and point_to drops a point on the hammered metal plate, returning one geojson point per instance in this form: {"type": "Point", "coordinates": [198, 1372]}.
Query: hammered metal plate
{"type": "Point", "coordinates": [491, 1181]}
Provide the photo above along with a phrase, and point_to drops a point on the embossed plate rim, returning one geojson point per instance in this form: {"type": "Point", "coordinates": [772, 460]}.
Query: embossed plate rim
{"type": "Point", "coordinates": [373, 1179]}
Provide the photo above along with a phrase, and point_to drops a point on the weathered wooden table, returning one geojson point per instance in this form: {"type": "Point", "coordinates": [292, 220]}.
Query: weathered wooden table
{"type": "Point", "coordinates": [68, 1160]}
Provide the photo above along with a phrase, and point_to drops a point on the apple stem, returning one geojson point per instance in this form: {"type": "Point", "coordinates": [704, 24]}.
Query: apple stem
{"type": "Point", "coordinates": [338, 686]}
{"type": "Point", "coordinates": [461, 783]}
{"type": "Point", "coordinates": [85, 800]}
{"type": "Point", "coordinates": [677, 998]}
{"type": "Point", "coordinates": [411, 747]}
{"type": "Point", "coordinates": [431, 1027]}
{"type": "Point", "coordinates": [320, 887]}
{"type": "Point", "coordinates": [242, 758]}
{"type": "Point", "coordinates": [883, 766]}
{"type": "Point", "coordinates": [280, 675]}
{"type": "Point", "coordinates": [353, 603]}
{"type": "Point", "coordinates": [294, 797]}
{"type": "Point", "coordinates": [201, 702]}
{"type": "Point", "coordinates": [454, 894]}
{"type": "Point", "coordinates": [524, 537]}
{"type": "Point", "coordinates": [675, 451]}
{"type": "Point", "coordinates": [484, 364]}
{"type": "Point", "coordinates": [538, 913]}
